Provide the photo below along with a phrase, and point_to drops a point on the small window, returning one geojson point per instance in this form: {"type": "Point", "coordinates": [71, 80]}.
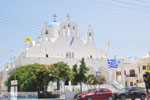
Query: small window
{"type": "Point", "coordinates": [73, 27]}
{"type": "Point", "coordinates": [68, 25]}
{"type": "Point", "coordinates": [119, 73]}
{"type": "Point", "coordinates": [90, 34]}
{"type": "Point", "coordinates": [69, 55]}
{"type": "Point", "coordinates": [46, 55]}
{"type": "Point", "coordinates": [46, 32]}
{"type": "Point", "coordinates": [131, 83]}
{"type": "Point", "coordinates": [132, 73]}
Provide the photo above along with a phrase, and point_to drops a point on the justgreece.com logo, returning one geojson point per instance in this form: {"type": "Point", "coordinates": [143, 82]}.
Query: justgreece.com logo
{"type": "Point", "coordinates": [19, 95]}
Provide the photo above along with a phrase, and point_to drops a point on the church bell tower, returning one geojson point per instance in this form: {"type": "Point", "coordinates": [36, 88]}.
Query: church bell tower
{"type": "Point", "coordinates": [90, 36]}
{"type": "Point", "coordinates": [68, 28]}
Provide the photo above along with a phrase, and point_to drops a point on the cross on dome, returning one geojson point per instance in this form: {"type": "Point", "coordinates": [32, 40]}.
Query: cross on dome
{"type": "Point", "coordinates": [46, 23]}
{"type": "Point", "coordinates": [68, 16]}
{"type": "Point", "coordinates": [54, 16]}
{"type": "Point", "coordinates": [89, 26]}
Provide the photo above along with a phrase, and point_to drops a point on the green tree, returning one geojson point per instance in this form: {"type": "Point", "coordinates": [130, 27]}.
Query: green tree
{"type": "Point", "coordinates": [90, 80]}
{"type": "Point", "coordinates": [62, 71]}
{"type": "Point", "coordinates": [80, 73]}
{"type": "Point", "coordinates": [93, 80]}
{"type": "Point", "coordinates": [31, 78]}
{"type": "Point", "coordinates": [35, 77]}
{"type": "Point", "coordinates": [76, 75]}
{"type": "Point", "coordinates": [100, 80]}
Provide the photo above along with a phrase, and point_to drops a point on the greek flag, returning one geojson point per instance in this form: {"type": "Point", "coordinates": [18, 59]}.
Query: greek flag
{"type": "Point", "coordinates": [71, 42]}
{"type": "Point", "coordinates": [113, 63]}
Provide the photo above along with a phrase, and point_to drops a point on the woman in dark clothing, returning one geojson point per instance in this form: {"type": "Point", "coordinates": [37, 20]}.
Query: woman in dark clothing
{"type": "Point", "coordinates": [147, 83]}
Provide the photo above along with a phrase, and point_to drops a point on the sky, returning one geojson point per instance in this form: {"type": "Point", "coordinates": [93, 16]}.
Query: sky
{"type": "Point", "coordinates": [125, 23]}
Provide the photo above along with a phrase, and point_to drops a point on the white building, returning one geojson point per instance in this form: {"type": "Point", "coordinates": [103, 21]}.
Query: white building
{"type": "Point", "coordinates": [131, 71]}
{"type": "Point", "coordinates": [60, 41]}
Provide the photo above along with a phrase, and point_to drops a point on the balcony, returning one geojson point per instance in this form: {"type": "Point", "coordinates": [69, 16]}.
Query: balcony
{"type": "Point", "coordinates": [131, 75]}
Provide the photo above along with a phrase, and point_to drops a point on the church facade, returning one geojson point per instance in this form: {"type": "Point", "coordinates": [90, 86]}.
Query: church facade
{"type": "Point", "coordinates": [59, 41]}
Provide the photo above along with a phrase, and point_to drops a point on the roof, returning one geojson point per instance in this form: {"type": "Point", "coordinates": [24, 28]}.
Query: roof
{"type": "Point", "coordinates": [54, 24]}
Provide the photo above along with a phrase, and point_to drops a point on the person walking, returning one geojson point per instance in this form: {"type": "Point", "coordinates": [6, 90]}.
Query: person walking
{"type": "Point", "coordinates": [147, 85]}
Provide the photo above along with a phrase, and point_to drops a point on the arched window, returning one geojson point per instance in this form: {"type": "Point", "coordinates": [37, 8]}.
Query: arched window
{"type": "Point", "coordinates": [73, 27]}
{"type": "Point", "coordinates": [90, 33]}
{"type": "Point", "coordinates": [46, 32]}
{"type": "Point", "coordinates": [68, 25]}
{"type": "Point", "coordinates": [46, 55]}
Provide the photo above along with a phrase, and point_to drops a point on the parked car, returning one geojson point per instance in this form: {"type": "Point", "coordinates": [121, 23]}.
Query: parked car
{"type": "Point", "coordinates": [130, 93]}
{"type": "Point", "coordinates": [96, 94]}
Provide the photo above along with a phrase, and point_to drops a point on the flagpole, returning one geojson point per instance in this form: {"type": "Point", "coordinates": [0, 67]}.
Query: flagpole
{"type": "Point", "coordinates": [25, 46]}
{"type": "Point", "coordinates": [108, 66]}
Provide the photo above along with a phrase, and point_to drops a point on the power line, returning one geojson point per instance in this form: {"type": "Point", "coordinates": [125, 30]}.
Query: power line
{"type": "Point", "coordinates": [131, 3]}
{"type": "Point", "coordinates": [118, 40]}
{"type": "Point", "coordinates": [124, 7]}
{"type": "Point", "coordinates": [106, 10]}
{"type": "Point", "coordinates": [108, 4]}
{"type": "Point", "coordinates": [142, 1]}
{"type": "Point", "coordinates": [120, 45]}
{"type": "Point", "coordinates": [19, 18]}
{"type": "Point", "coordinates": [23, 20]}
{"type": "Point", "coordinates": [16, 26]}
{"type": "Point", "coordinates": [26, 27]}
{"type": "Point", "coordinates": [130, 45]}
{"type": "Point", "coordinates": [125, 41]}
{"type": "Point", "coordinates": [18, 22]}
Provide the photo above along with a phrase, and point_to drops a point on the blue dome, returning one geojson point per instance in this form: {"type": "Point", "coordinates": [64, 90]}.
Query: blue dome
{"type": "Point", "coordinates": [54, 24]}
{"type": "Point", "coordinates": [9, 62]}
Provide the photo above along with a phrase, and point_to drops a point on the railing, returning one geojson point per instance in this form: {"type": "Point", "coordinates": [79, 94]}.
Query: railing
{"type": "Point", "coordinates": [131, 75]}
{"type": "Point", "coordinates": [117, 85]}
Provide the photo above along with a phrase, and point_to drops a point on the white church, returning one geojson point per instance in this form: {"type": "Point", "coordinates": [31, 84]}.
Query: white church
{"type": "Point", "coordinates": [60, 41]}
